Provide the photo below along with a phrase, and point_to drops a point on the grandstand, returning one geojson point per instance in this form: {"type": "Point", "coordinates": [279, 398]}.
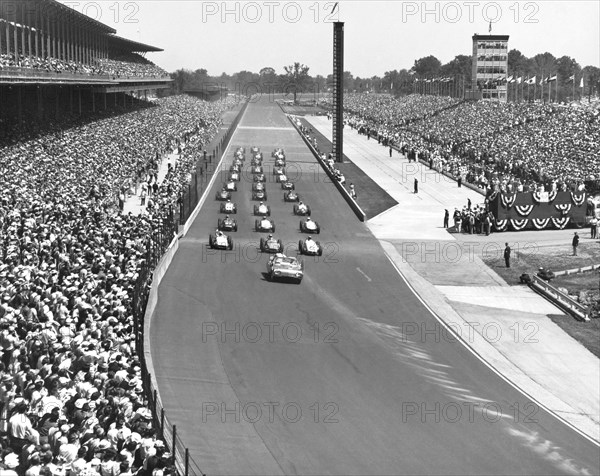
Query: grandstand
{"type": "Point", "coordinates": [55, 60]}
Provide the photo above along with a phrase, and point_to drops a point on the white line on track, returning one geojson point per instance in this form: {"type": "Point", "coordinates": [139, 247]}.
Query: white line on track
{"type": "Point", "coordinates": [364, 274]}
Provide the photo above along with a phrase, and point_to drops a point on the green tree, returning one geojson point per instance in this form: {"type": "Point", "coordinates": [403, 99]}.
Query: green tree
{"type": "Point", "coordinates": [427, 66]}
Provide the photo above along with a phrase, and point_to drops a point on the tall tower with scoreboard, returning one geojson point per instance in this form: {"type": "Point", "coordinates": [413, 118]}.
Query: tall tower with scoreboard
{"type": "Point", "coordinates": [490, 66]}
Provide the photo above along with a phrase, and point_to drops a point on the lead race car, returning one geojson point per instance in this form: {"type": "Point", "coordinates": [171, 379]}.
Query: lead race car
{"type": "Point", "coordinates": [310, 247]}
{"type": "Point", "coordinates": [262, 210]}
{"type": "Point", "coordinates": [284, 267]}
{"type": "Point", "coordinates": [264, 225]}
{"type": "Point", "coordinates": [309, 226]}
{"type": "Point", "coordinates": [227, 224]}
{"type": "Point", "coordinates": [271, 245]}
{"type": "Point", "coordinates": [254, 149]}
{"type": "Point", "coordinates": [302, 209]}
{"type": "Point", "coordinates": [291, 196]}
{"type": "Point", "coordinates": [220, 241]}
{"type": "Point", "coordinates": [228, 207]}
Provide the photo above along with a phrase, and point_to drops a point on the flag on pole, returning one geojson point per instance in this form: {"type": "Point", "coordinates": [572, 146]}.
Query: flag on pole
{"type": "Point", "coordinates": [392, 85]}
{"type": "Point", "coordinates": [490, 28]}
{"type": "Point", "coordinates": [519, 79]}
{"type": "Point", "coordinates": [531, 81]}
{"type": "Point", "coordinates": [510, 79]}
{"type": "Point", "coordinates": [581, 84]}
{"type": "Point", "coordinates": [551, 78]}
{"type": "Point", "coordinates": [571, 78]}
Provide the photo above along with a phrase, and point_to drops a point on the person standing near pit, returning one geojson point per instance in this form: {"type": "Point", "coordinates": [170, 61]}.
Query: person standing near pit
{"type": "Point", "coordinates": [507, 255]}
{"type": "Point", "coordinates": [575, 243]}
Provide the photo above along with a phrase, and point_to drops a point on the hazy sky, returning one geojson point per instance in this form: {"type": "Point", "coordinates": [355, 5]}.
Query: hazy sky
{"type": "Point", "coordinates": [379, 35]}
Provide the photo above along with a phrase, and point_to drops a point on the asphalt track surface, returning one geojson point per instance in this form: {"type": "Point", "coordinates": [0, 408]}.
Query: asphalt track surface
{"type": "Point", "coordinates": [346, 373]}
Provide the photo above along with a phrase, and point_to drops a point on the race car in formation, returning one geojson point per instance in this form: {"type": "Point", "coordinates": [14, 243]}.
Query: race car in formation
{"type": "Point", "coordinates": [223, 194]}
{"type": "Point", "coordinates": [233, 177]}
{"type": "Point", "coordinates": [256, 161]}
{"type": "Point", "coordinates": [228, 207]}
{"type": "Point", "coordinates": [310, 247]}
{"type": "Point", "coordinates": [285, 267]}
{"type": "Point", "coordinates": [257, 169]}
{"type": "Point", "coordinates": [281, 178]}
{"type": "Point", "coordinates": [279, 162]}
{"type": "Point", "coordinates": [278, 170]}
{"type": "Point", "coordinates": [264, 225]}
{"type": "Point", "coordinates": [259, 178]}
{"type": "Point", "coordinates": [262, 210]}
{"type": "Point", "coordinates": [220, 241]}
{"type": "Point", "coordinates": [291, 196]}
{"type": "Point", "coordinates": [259, 195]}
{"type": "Point", "coordinates": [288, 185]}
{"type": "Point", "coordinates": [230, 185]}
{"type": "Point", "coordinates": [301, 209]}
{"type": "Point", "coordinates": [271, 245]}
{"type": "Point", "coordinates": [310, 226]}
{"type": "Point", "coordinates": [227, 224]}
{"type": "Point", "coordinates": [258, 186]}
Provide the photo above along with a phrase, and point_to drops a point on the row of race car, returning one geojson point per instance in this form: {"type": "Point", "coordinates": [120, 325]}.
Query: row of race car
{"type": "Point", "coordinates": [279, 265]}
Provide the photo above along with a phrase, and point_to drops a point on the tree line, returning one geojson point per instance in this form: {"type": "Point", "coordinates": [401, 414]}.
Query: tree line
{"type": "Point", "coordinates": [296, 78]}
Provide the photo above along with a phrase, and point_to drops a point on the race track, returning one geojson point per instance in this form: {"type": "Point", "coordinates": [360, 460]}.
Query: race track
{"type": "Point", "coordinates": [346, 373]}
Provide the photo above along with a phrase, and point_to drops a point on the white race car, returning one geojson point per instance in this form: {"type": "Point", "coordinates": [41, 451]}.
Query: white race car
{"type": "Point", "coordinates": [281, 178]}
{"type": "Point", "coordinates": [234, 177]}
{"type": "Point", "coordinates": [264, 225]}
{"type": "Point", "coordinates": [228, 207]}
{"type": "Point", "coordinates": [309, 226]}
{"type": "Point", "coordinates": [220, 241]}
{"type": "Point", "coordinates": [230, 186]}
{"type": "Point", "coordinates": [310, 247]}
{"type": "Point", "coordinates": [302, 209]}
{"type": "Point", "coordinates": [262, 210]}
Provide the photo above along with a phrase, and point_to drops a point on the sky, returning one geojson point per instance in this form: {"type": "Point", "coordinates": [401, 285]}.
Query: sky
{"type": "Point", "coordinates": [379, 36]}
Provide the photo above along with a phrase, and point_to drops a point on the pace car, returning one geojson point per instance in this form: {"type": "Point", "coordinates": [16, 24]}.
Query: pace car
{"type": "Point", "coordinates": [223, 194]}
{"type": "Point", "coordinates": [259, 195]}
{"type": "Point", "coordinates": [310, 247]}
{"type": "Point", "coordinates": [262, 210]}
{"type": "Point", "coordinates": [302, 209]}
{"type": "Point", "coordinates": [228, 207]}
{"type": "Point", "coordinates": [288, 185]}
{"type": "Point", "coordinates": [291, 196]}
{"type": "Point", "coordinates": [309, 226]}
{"type": "Point", "coordinates": [281, 266]}
{"type": "Point", "coordinates": [230, 185]}
{"type": "Point", "coordinates": [220, 241]}
{"type": "Point", "coordinates": [278, 153]}
{"type": "Point", "coordinates": [264, 225]}
{"type": "Point", "coordinates": [254, 149]}
{"type": "Point", "coordinates": [227, 224]}
{"type": "Point", "coordinates": [271, 245]}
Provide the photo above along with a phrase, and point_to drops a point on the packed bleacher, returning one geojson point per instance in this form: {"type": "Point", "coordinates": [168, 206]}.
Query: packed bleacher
{"type": "Point", "coordinates": [71, 395]}
{"type": "Point", "coordinates": [124, 66]}
{"type": "Point", "coordinates": [496, 146]}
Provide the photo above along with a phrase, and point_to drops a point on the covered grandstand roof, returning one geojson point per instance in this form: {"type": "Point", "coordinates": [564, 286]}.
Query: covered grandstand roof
{"type": "Point", "coordinates": [55, 10]}
{"type": "Point", "coordinates": [130, 45]}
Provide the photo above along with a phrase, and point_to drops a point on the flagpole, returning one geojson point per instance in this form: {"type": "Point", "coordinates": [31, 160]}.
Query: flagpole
{"type": "Point", "coordinates": [573, 87]}
{"type": "Point", "coordinates": [556, 89]}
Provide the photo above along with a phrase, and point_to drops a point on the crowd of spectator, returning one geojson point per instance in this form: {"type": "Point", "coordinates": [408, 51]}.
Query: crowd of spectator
{"type": "Point", "coordinates": [71, 394]}
{"type": "Point", "coordinates": [496, 146]}
{"type": "Point", "coordinates": [125, 66]}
